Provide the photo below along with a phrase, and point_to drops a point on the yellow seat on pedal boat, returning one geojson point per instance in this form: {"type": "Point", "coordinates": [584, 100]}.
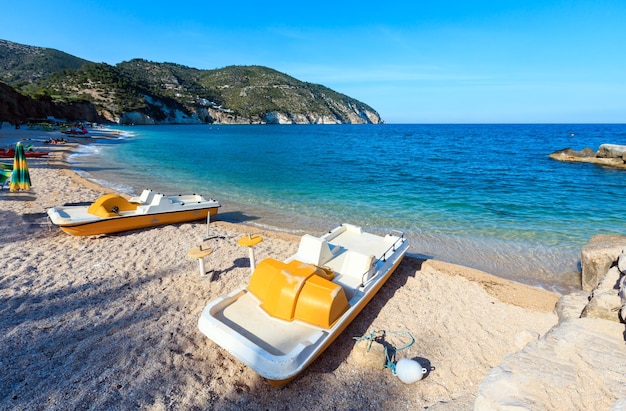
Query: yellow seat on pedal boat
{"type": "Point", "coordinates": [298, 291]}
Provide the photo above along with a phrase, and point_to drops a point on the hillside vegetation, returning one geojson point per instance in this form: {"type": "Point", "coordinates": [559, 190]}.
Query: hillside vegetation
{"type": "Point", "coordinates": [21, 64]}
{"type": "Point", "coordinates": [144, 92]}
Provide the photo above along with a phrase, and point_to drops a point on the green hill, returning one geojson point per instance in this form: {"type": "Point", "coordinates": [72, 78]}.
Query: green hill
{"type": "Point", "coordinates": [144, 92]}
{"type": "Point", "coordinates": [21, 64]}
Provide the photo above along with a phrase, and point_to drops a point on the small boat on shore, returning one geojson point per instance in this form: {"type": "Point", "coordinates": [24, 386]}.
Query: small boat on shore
{"type": "Point", "coordinates": [291, 311]}
{"type": "Point", "coordinates": [10, 153]}
{"type": "Point", "coordinates": [112, 213]}
{"type": "Point", "coordinates": [75, 131]}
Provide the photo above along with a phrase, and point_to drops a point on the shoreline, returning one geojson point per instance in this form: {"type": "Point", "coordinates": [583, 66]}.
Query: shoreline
{"type": "Point", "coordinates": [530, 261]}
{"type": "Point", "coordinates": [111, 321]}
{"type": "Point", "coordinates": [493, 284]}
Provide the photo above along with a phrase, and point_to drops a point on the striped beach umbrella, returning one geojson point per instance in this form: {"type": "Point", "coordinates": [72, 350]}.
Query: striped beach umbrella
{"type": "Point", "coordinates": [20, 178]}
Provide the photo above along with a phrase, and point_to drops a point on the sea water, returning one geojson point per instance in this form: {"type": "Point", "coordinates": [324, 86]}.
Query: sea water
{"type": "Point", "coordinates": [483, 196]}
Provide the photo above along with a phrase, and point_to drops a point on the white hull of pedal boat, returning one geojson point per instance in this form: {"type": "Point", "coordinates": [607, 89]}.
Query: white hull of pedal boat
{"type": "Point", "coordinates": [292, 311]}
{"type": "Point", "coordinates": [112, 213]}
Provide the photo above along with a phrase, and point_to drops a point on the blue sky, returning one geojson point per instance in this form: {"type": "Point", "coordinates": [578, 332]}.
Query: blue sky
{"type": "Point", "coordinates": [430, 61]}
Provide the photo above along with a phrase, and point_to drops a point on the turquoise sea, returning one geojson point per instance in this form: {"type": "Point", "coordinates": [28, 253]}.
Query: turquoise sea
{"type": "Point", "coordinates": [483, 196]}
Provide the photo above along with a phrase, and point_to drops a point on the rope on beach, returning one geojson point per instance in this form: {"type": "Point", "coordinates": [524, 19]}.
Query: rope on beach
{"type": "Point", "coordinates": [390, 351]}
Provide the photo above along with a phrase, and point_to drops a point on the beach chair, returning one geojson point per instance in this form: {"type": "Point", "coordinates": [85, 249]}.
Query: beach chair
{"type": "Point", "coordinates": [145, 197]}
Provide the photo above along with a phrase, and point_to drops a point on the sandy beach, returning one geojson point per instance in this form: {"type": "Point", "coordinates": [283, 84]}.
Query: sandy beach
{"type": "Point", "coordinates": [110, 322]}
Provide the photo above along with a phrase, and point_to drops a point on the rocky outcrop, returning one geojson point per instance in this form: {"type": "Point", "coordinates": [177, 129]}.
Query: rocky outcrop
{"type": "Point", "coordinates": [136, 118]}
{"type": "Point", "coordinates": [597, 256]}
{"type": "Point", "coordinates": [203, 115]}
{"type": "Point", "coordinates": [579, 364]}
{"type": "Point", "coordinates": [608, 299]}
{"type": "Point", "coordinates": [604, 301]}
{"type": "Point", "coordinates": [274, 117]}
{"type": "Point", "coordinates": [610, 155]}
{"type": "Point", "coordinates": [612, 151]}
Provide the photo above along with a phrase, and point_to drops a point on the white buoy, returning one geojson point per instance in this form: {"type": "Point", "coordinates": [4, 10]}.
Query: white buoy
{"type": "Point", "coordinates": [409, 371]}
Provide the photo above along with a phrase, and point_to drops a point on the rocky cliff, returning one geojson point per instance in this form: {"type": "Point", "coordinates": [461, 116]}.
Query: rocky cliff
{"type": "Point", "coordinates": [16, 108]}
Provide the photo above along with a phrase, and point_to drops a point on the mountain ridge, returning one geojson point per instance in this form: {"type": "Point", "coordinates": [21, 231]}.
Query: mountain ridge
{"type": "Point", "coordinates": [139, 91]}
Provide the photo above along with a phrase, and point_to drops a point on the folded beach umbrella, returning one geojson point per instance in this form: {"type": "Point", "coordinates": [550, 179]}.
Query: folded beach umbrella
{"type": "Point", "coordinates": [20, 178]}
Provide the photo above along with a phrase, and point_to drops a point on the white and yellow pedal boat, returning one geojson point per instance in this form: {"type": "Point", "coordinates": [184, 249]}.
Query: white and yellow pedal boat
{"type": "Point", "coordinates": [113, 213]}
{"type": "Point", "coordinates": [291, 311]}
